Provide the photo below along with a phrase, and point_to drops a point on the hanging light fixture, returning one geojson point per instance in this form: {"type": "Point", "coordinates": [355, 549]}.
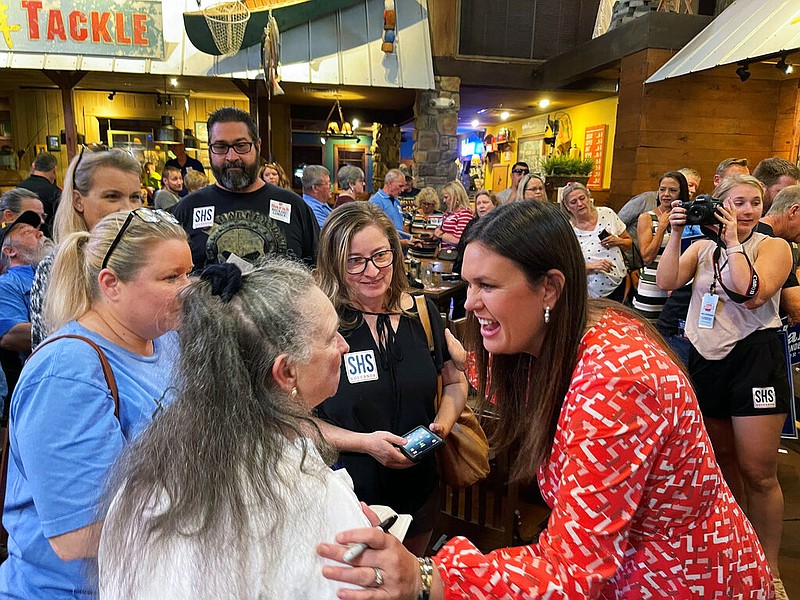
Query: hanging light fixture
{"type": "Point", "coordinates": [340, 129]}
{"type": "Point", "coordinates": [189, 141]}
{"type": "Point", "coordinates": [168, 133]}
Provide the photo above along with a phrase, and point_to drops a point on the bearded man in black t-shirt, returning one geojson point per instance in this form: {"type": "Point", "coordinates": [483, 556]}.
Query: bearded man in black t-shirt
{"type": "Point", "coordinates": [242, 214]}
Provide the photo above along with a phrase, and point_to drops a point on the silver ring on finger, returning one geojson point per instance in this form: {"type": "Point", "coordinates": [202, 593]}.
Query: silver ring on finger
{"type": "Point", "coordinates": [378, 582]}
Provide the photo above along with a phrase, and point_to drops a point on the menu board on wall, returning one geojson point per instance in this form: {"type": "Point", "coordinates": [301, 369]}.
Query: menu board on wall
{"type": "Point", "coordinates": [594, 146]}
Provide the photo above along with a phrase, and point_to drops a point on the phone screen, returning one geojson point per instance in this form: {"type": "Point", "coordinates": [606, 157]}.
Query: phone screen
{"type": "Point", "coordinates": [420, 441]}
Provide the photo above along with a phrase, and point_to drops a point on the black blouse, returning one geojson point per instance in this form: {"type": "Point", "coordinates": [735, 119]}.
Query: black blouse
{"type": "Point", "coordinates": [388, 386]}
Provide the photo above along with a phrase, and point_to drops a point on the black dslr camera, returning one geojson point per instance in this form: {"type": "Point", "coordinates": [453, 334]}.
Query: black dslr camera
{"type": "Point", "coordinates": [702, 210]}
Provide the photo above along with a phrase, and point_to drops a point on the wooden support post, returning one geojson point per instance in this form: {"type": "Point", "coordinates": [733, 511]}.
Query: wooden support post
{"type": "Point", "coordinates": [259, 110]}
{"type": "Point", "coordinates": [66, 82]}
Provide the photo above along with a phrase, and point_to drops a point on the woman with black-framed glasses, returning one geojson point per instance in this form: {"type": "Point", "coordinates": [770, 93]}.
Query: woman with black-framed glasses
{"type": "Point", "coordinates": [98, 182]}
{"type": "Point", "coordinates": [388, 381]}
{"type": "Point", "coordinates": [117, 287]}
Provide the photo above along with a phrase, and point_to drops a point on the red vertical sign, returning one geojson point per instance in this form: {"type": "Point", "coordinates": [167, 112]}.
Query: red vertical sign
{"type": "Point", "coordinates": [594, 146]}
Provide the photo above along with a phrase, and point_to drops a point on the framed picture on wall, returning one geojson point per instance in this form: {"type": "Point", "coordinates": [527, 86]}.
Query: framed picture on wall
{"type": "Point", "coordinates": [201, 131]}
{"type": "Point", "coordinates": [499, 177]}
{"type": "Point", "coordinates": [53, 143]}
{"type": "Point", "coordinates": [530, 150]}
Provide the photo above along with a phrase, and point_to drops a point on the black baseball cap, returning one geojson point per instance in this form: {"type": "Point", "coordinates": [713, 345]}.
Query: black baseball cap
{"type": "Point", "coordinates": [27, 218]}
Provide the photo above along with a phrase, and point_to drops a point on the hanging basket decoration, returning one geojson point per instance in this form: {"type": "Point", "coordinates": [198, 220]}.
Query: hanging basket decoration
{"type": "Point", "coordinates": [227, 22]}
{"type": "Point", "coordinates": [389, 26]}
{"type": "Point", "coordinates": [287, 13]}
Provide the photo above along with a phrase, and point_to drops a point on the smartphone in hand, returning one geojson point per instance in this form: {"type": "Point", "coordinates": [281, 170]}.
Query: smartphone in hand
{"type": "Point", "coordinates": [603, 234]}
{"type": "Point", "coordinates": [419, 442]}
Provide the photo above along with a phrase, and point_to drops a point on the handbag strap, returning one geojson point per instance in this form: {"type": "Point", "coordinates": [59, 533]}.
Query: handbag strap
{"type": "Point", "coordinates": [111, 381]}
{"type": "Point", "coordinates": [425, 319]}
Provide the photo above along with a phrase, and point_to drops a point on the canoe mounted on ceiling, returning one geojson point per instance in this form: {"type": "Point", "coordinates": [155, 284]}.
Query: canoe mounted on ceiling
{"type": "Point", "coordinates": [288, 14]}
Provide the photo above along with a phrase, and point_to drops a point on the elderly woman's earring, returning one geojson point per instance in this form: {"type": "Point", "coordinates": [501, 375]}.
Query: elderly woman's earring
{"type": "Point", "coordinates": [293, 393]}
{"type": "Point", "coordinates": [546, 314]}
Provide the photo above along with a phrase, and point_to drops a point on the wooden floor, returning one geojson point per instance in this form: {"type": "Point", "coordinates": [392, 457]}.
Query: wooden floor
{"type": "Point", "coordinates": [789, 476]}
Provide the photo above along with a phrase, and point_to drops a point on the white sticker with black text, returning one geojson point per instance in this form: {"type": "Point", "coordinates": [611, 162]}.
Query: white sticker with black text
{"type": "Point", "coordinates": [360, 366]}
{"type": "Point", "coordinates": [280, 211]}
{"type": "Point", "coordinates": [203, 217]}
{"type": "Point", "coordinates": [764, 397]}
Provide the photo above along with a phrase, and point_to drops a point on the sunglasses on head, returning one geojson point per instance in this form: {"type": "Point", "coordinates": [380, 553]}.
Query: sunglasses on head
{"type": "Point", "coordinates": [145, 214]}
{"type": "Point", "coordinates": [84, 148]}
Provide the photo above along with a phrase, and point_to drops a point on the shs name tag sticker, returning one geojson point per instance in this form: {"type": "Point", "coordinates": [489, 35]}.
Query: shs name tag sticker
{"type": "Point", "coordinates": [280, 211]}
{"type": "Point", "coordinates": [361, 366]}
{"type": "Point", "coordinates": [764, 397]}
{"type": "Point", "coordinates": [203, 217]}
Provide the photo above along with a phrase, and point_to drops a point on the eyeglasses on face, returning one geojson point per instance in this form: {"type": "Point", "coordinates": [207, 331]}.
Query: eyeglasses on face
{"type": "Point", "coordinates": [520, 171]}
{"type": "Point", "coordinates": [381, 259]}
{"type": "Point", "coordinates": [239, 147]}
{"type": "Point", "coordinates": [145, 214]}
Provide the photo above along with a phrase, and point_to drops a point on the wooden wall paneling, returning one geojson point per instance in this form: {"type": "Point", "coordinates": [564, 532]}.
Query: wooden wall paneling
{"type": "Point", "coordinates": [695, 120]}
{"type": "Point", "coordinates": [324, 42]}
{"type": "Point", "coordinates": [443, 19]}
{"type": "Point", "coordinates": [784, 144]}
{"type": "Point", "coordinates": [353, 29]}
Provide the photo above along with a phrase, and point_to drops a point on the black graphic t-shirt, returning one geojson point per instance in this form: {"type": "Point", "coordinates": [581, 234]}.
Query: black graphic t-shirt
{"type": "Point", "coordinates": [267, 222]}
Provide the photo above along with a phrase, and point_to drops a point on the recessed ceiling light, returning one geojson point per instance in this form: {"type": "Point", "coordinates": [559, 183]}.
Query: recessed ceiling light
{"type": "Point", "coordinates": [544, 103]}
{"type": "Point", "coordinates": [482, 111]}
{"type": "Point", "coordinates": [475, 123]}
{"type": "Point", "coordinates": [174, 82]}
{"type": "Point", "coordinates": [504, 115]}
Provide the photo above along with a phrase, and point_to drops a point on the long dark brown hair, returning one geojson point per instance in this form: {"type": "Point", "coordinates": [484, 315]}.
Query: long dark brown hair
{"type": "Point", "coordinates": [529, 391]}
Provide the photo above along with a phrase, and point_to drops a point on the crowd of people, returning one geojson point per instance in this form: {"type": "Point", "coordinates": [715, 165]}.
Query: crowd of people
{"type": "Point", "coordinates": [219, 378]}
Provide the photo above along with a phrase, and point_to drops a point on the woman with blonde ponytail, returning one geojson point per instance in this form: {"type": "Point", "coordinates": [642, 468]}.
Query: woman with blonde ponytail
{"type": "Point", "coordinates": [97, 183]}
{"type": "Point", "coordinates": [116, 286]}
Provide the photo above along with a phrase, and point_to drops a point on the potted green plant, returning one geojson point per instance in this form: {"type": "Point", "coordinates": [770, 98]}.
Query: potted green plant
{"type": "Point", "coordinates": [560, 169]}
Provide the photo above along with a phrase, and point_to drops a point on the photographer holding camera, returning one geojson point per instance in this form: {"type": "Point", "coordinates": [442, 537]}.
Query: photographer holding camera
{"type": "Point", "coordinates": [736, 360]}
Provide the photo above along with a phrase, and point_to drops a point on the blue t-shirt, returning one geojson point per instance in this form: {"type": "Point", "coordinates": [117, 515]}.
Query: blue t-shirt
{"type": "Point", "coordinates": [391, 206]}
{"type": "Point", "coordinates": [320, 209]}
{"type": "Point", "coordinates": [15, 297]}
{"type": "Point", "coordinates": [64, 438]}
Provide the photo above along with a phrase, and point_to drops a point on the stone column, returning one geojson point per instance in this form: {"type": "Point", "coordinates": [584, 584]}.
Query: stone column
{"type": "Point", "coordinates": [435, 139]}
{"type": "Point", "coordinates": [385, 153]}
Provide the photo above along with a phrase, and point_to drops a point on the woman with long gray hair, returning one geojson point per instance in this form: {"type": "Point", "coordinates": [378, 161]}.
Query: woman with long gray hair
{"type": "Point", "coordinates": [227, 494]}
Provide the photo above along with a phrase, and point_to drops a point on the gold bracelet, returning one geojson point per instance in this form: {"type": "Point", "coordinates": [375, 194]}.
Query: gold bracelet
{"type": "Point", "coordinates": [426, 575]}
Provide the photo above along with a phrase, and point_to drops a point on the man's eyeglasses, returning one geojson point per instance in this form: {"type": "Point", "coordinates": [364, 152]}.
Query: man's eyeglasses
{"type": "Point", "coordinates": [145, 214]}
{"type": "Point", "coordinates": [381, 259]}
{"type": "Point", "coordinates": [239, 147]}
{"type": "Point", "coordinates": [520, 171]}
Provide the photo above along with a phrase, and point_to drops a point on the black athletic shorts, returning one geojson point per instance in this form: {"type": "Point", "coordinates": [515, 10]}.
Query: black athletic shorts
{"type": "Point", "coordinates": [751, 381]}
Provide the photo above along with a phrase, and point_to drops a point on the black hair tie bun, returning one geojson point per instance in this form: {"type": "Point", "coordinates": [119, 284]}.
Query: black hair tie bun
{"type": "Point", "coordinates": [225, 279]}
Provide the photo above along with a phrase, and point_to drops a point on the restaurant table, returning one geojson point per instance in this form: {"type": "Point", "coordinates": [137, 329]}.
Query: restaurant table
{"type": "Point", "coordinates": [441, 293]}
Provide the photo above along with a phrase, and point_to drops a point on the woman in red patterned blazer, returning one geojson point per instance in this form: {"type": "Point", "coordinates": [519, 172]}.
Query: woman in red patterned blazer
{"type": "Point", "coordinates": [607, 422]}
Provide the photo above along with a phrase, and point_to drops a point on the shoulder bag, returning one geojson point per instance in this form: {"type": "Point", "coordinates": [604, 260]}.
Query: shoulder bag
{"type": "Point", "coordinates": [112, 387]}
{"type": "Point", "coordinates": [464, 458]}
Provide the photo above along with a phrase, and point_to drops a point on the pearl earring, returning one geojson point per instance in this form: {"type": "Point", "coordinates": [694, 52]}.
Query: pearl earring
{"type": "Point", "coordinates": [546, 314]}
{"type": "Point", "coordinates": [293, 393]}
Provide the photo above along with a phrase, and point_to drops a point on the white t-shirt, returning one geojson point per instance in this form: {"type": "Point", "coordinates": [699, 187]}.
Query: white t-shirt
{"type": "Point", "coordinates": [602, 284]}
{"type": "Point", "coordinates": [279, 565]}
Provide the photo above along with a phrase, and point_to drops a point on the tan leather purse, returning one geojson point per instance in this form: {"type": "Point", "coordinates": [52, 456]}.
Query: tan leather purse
{"type": "Point", "coordinates": [464, 458]}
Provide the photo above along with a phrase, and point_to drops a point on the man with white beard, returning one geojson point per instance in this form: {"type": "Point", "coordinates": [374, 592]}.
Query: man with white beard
{"type": "Point", "coordinates": [22, 247]}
